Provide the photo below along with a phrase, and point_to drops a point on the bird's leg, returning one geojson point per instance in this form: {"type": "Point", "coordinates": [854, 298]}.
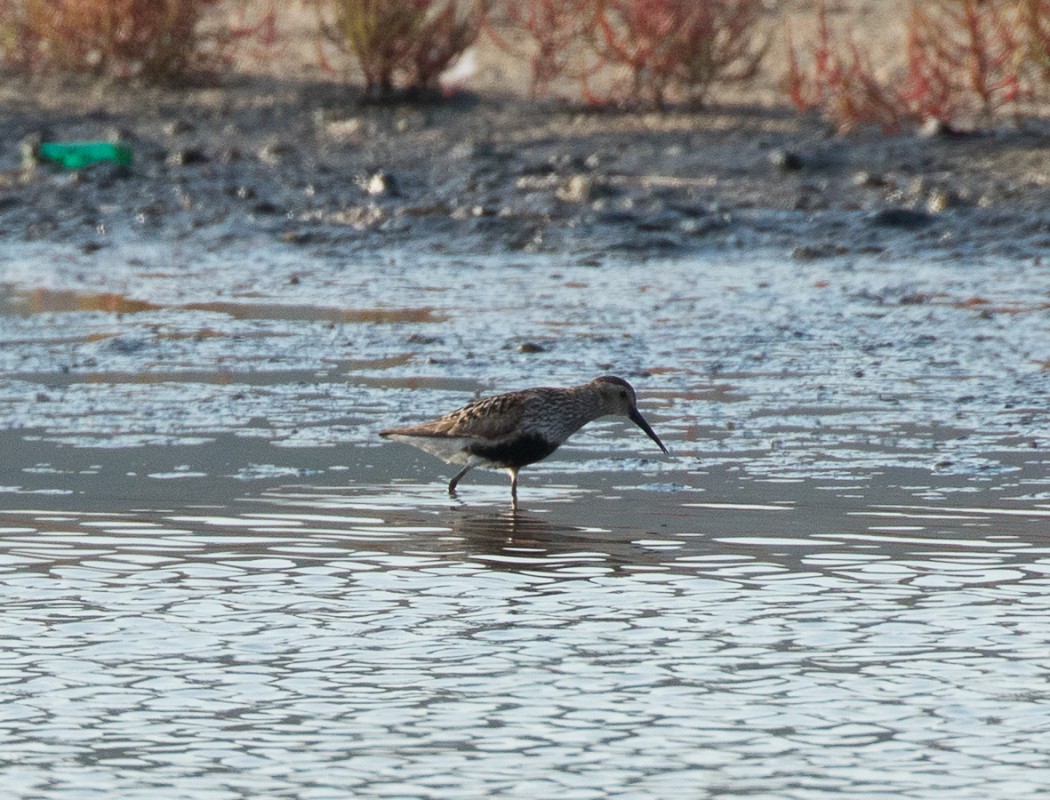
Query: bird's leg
{"type": "Point", "coordinates": [455, 480]}
{"type": "Point", "coordinates": [513, 488]}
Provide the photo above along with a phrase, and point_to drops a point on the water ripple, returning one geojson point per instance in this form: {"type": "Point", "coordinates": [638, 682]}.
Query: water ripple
{"type": "Point", "coordinates": [356, 642]}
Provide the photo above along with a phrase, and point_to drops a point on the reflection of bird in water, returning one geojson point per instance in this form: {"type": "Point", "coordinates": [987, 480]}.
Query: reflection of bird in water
{"type": "Point", "coordinates": [511, 431]}
{"type": "Point", "coordinates": [517, 540]}
{"type": "Point", "coordinates": [500, 527]}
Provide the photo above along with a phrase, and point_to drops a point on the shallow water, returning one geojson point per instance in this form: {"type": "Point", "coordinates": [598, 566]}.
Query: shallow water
{"type": "Point", "coordinates": [217, 583]}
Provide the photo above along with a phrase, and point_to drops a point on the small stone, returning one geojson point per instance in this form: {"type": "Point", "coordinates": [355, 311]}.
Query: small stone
{"type": "Point", "coordinates": [274, 153]}
{"type": "Point", "coordinates": [177, 127]}
{"type": "Point", "coordinates": [185, 157]}
{"type": "Point", "coordinates": [869, 180]}
{"type": "Point", "coordinates": [578, 189]}
{"type": "Point", "coordinates": [941, 200]}
{"type": "Point", "coordinates": [28, 146]}
{"type": "Point", "coordinates": [531, 347]}
{"type": "Point", "coordinates": [939, 129]}
{"type": "Point", "coordinates": [343, 129]}
{"type": "Point", "coordinates": [380, 184]}
{"type": "Point", "coordinates": [786, 160]}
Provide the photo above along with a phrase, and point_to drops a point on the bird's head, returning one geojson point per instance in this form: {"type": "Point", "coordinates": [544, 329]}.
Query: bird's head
{"type": "Point", "coordinates": [616, 397]}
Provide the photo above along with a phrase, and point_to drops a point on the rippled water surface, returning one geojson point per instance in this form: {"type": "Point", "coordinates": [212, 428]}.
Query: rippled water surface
{"type": "Point", "coordinates": [217, 583]}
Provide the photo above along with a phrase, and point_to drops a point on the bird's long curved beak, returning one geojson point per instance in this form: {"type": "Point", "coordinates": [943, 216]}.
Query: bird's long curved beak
{"type": "Point", "coordinates": [636, 417]}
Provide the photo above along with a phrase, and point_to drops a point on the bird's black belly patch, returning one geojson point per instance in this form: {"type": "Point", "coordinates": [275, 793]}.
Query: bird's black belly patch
{"type": "Point", "coordinates": [515, 453]}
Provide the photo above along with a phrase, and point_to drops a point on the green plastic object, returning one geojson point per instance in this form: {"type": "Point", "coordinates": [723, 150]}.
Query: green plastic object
{"type": "Point", "coordinates": [74, 155]}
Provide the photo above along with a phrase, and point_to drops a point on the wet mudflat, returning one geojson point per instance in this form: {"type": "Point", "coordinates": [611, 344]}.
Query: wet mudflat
{"type": "Point", "coordinates": [218, 583]}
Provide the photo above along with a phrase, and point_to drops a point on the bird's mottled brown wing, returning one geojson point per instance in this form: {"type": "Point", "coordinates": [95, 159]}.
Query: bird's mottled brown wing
{"type": "Point", "coordinates": [489, 418]}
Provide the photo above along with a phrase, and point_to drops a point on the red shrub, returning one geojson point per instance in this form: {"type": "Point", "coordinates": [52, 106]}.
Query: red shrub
{"type": "Point", "coordinates": [559, 32]}
{"type": "Point", "coordinates": [842, 84]}
{"type": "Point", "coordinates": [965, 59]}
{"type": "Point", "coordinates": [1033, 22]}
{"type": "Point", "coordinates": [154, 39]}
{"type": "Point", "coordinates": [963, 55]}
{"type": "Point", "coordinates": [442, 39]}
{"type": "Point", "coordinates": [410, 42]}
{"type": "Point", "coordinates": [670, 48]}
{"type": "Point", "coordinates": [683, 46]}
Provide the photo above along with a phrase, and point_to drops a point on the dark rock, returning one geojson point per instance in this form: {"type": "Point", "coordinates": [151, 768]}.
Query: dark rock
{"type": "Point", "coordinates": [419, 338]}
{"type": "Point", "coordinates": [914, 299]}
{"type": "Point", "coordinates": [811, 252]}
{"type": "Point", "coordinates": [526, 238]}
{"type": "Point", "coordinates": [539, 169]}
{"type": "Point", "coordinates": [901, 218]}
{"type": "Point", "coordinates": [125, 345]}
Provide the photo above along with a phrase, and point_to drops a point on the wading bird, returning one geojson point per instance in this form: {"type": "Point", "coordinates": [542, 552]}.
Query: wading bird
{"type": "Point", "coordinates": [510, 431]}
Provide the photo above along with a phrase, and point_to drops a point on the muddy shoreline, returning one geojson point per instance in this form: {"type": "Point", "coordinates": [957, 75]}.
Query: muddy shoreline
{"type": "Point", "coordinates": [307, 164]}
